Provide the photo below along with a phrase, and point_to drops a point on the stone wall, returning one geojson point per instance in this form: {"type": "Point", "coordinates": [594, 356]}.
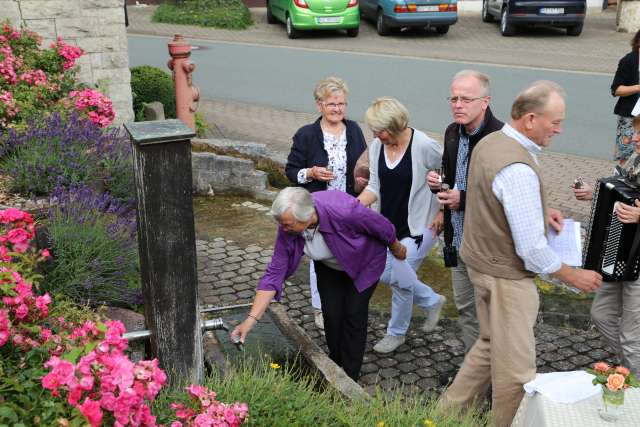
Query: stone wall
{"type": "Point", "coordinates": [96, 26]}
{"type": "Point", "coordinates": [628, 18]}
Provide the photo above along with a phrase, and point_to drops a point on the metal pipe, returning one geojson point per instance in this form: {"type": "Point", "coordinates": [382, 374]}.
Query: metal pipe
{"type": "Point", "coordinates": [225, 307]}
{"type": "Point", "coordinates": [207, 325]}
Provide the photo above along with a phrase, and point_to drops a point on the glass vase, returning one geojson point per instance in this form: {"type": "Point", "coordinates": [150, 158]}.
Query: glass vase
{"type": "Point", "coordinates": [612, 404]}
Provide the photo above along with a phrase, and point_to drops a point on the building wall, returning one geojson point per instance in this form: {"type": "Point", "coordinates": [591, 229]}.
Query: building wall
{"type": "Point", "coordinates": [96, 26]}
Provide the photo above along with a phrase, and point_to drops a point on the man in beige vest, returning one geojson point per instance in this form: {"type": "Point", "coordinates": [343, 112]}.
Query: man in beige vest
{"type": "Point", "coordinates": [504, 246]}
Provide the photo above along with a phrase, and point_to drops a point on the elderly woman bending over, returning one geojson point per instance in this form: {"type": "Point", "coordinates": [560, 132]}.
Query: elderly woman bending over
{"type": "Point", "coordinates": [399, 159]}
{"type": "Point", "coordinates": [349, 244]}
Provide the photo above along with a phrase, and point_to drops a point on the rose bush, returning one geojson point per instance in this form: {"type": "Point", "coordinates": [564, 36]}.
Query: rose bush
{"type": "Point", "coordinates": [56, 372]}
{"type": "Point", "coordinates": [35, 81]}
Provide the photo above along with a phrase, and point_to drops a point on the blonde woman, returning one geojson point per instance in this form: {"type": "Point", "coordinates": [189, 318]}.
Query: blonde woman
{"type": "Point", "coordinates": [399, 159]}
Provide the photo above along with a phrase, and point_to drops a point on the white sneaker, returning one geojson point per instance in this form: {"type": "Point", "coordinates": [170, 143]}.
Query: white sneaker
{"type": "Point", "coordinates": [433, 315]}
{"type": "Point", "coordinates": [318, 319]}
{"type": "Point", "coordinates": [388, 344]}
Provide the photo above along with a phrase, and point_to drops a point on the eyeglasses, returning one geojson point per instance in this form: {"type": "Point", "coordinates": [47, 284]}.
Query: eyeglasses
{"type": "Point", "coordinates": [462, 99]}
{"type": "Point", "coordinates": [339, 105]}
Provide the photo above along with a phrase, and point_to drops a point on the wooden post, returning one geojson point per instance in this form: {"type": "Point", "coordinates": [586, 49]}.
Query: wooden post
{"type": "Point", "coordinates": [166, 241]}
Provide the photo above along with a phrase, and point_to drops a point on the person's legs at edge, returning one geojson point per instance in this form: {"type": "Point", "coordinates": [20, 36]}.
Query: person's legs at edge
{"type": "Point", "coordinates": [464, 298]}
{"type": "Point", "coordinates": [630, 326]}
{"type": "Point", "coordinates": [332, 290]}
{"type": "Point", "coordinates": [606, 310]}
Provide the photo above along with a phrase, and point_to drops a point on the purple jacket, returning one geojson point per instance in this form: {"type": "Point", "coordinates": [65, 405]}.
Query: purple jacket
{"type": "Point", "coordinates": [357, 236]}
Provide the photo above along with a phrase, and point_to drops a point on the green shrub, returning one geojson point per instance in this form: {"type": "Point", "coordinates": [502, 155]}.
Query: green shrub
{"type": "Point", "coordinates": [229, 14]}
{"type": "Point", "coordinates": [149, 84]}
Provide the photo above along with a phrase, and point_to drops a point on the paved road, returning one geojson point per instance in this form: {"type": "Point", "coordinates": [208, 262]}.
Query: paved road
{"type": "Point", "coordinates": [283, 77]}
{"type": "Point", "coordinates": [597, 49]}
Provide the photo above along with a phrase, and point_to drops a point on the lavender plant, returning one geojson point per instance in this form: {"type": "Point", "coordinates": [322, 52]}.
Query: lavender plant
{"type": "Point", "coordinates": [66, 151]}
{"type": "Point", "coordinates": [93, 243]}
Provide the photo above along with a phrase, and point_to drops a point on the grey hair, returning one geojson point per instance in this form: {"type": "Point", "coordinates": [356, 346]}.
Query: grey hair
{"type": "Point", "coordinates": [328, 86]}
{"type": "Point", "coordinates": [296, 199]}
{"type": "Point", "coordinates": [535, 97]}
{"type": "Point", "coordinates": [482, 78]}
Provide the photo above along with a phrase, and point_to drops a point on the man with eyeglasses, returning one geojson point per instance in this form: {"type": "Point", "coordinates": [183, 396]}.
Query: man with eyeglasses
{"type": "Point", "coordinates": [473, 120]}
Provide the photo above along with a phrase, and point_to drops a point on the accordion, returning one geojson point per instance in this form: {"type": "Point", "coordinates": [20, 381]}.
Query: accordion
{"type": "Point", "coordinates": [612, 246]}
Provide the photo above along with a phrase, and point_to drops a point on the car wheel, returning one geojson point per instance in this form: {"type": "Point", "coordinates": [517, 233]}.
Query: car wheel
{"type": "Point", "coordinates": [443, 29]}
{"type": "Point", "coordinates": [381, 26]}
{"type": "Point", "coordinates": [292, 33]}
{"type": "Point", "coordinates": [506, 27]}
{"type": "Point", "coordinates": [486, 16]}
{"type": "Point", "coordinates": [353, 32]}
{"type": "Point", "coordinates": [576, 30]}
{"type": "Point", "coordinates": [270, 18]}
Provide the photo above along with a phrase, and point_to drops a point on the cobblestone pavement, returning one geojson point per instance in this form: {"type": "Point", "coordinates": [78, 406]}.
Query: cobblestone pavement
{"type": "Point", "coordinates": [598, 49]}
{"type": "Point", "coordinates": [228, 274]}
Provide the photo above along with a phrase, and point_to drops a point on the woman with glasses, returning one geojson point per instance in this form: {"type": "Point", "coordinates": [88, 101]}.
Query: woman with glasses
{"type": "Point", "coordinates": [399, 159]}
{"type": "Point", "coordinates": [324, 154]}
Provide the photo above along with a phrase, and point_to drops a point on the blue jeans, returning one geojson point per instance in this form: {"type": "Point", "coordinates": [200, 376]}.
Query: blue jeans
{"type": "Point", "coordinates": [405, 293]}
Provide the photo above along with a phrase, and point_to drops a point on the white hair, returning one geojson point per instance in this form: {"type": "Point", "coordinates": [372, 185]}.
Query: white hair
{"type": "Point", "coordinates": [482, 79]}
{"type": "Point", "coordinates": [296, 199]}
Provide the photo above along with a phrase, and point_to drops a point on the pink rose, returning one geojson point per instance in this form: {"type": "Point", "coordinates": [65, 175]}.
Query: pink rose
{"type": "Point", "coordinates": [91, 410]}
{"type": "Point", "coordinates": [615, 382]}
{"type": "Point", "coordinates": [601, 367]}
{"type": "Point", "coordinates": [622, 371]}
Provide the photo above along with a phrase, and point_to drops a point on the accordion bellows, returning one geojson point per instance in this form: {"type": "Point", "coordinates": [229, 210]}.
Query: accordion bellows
{"type": "Point", "coordinates": [612, 247]}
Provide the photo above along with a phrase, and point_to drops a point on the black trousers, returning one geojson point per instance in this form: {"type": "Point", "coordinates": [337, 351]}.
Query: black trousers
{"type": "Point", "coordinates": [345, 313]}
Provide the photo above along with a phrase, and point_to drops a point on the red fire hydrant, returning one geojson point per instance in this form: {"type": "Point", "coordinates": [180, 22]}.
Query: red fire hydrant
{"type": "Point", "coordinates": [186, 93]}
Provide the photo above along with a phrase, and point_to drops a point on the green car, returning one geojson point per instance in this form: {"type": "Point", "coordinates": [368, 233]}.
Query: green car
{"type": "Point", "coordinates": [300, 15]}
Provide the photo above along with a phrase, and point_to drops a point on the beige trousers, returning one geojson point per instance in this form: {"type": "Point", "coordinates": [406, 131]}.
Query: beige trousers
{"type": "Point", "coordinates": [504, 354]}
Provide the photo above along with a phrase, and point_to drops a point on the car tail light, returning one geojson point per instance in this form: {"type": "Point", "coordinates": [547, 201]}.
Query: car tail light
{"type": "Point", "coordinates": [352, 3]}
{"type": "Point", "coordinates": [453, 7]}
{"type": "Point", "coordinates": [443, 7]}
{"type": "Point", "coordinates": [301, 3]}
{"type": "Point", "coordinates": [411, 7]}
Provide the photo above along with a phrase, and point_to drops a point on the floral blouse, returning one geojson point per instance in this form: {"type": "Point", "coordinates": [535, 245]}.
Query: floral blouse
{"type": "Point", "coordinates": [336, 149]}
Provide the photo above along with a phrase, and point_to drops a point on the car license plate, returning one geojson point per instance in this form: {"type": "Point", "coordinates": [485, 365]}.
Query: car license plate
{"type": "Point", "coordinates": [328, 20]}
{"type": "Point", "coordinates": [552, 10]}
{"type": "Point", "coordinates": [427, 8]}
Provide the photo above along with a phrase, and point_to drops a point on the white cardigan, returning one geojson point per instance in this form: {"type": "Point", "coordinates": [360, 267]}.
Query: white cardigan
{"type": "Point", "coordinates": [426, 155]}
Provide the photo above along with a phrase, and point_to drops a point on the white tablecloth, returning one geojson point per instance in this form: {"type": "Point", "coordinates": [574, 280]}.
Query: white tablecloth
{"type": "Point", "coordinates": [540, 411]}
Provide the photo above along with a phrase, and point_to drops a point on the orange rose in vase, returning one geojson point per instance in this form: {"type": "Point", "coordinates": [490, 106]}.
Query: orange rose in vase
{"type": "Point", "coordinates": [615, 382]}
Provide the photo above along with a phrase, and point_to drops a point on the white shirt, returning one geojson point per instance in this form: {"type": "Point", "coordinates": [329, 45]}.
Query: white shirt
{"type": "Point", "coordinates": [316, 248]}
{"type": "Point", "coordinates": [518, 189]}
{"type": "Point", "coordinates": [336, 149]}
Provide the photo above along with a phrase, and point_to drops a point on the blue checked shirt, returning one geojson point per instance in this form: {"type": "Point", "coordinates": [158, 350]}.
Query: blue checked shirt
{"type": "Point", "coordinates": [457, 216]}
{"type": "Point", "coordinates": [518, 189]}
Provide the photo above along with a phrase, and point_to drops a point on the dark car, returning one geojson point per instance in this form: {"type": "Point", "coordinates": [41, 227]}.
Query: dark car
{"type": "Point", "coordinates": [568, 14]}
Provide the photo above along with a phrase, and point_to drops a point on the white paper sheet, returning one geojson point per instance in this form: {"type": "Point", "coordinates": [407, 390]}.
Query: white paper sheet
{"type": "Point", "coordinates": [564, 387]}
{"type": "Point", "coordinates": [567, 243]}
{"type": "Point", "coordinates": [636, 108]}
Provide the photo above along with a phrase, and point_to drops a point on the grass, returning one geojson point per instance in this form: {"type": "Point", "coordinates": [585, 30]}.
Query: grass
{"type": "Point", "coordinates": [227, 14]}
{"type": "Point", "coordinates": [281, 397]}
